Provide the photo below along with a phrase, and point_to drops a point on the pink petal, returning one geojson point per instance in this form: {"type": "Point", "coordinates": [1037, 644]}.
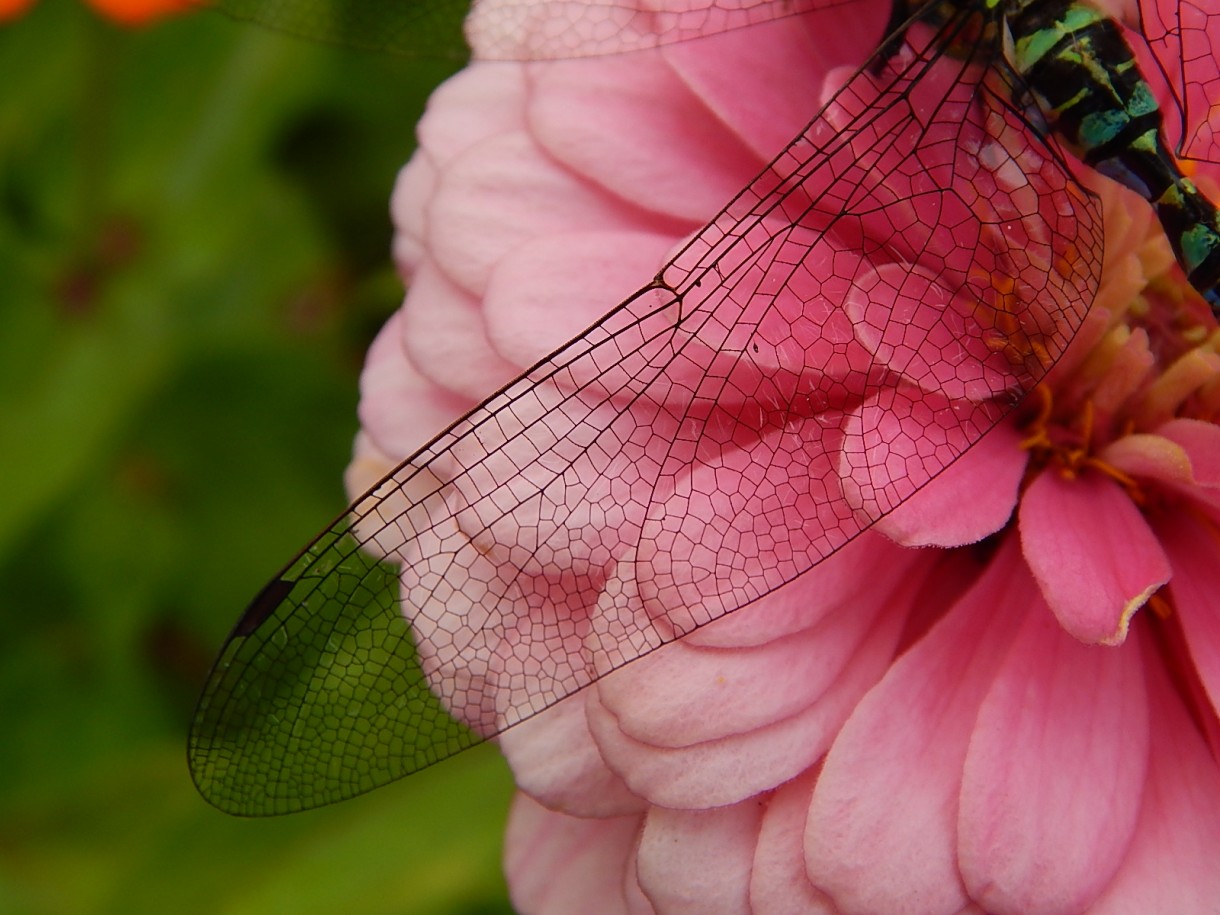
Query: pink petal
{"type": "Point", "coordinates": [899, 440]}
{"type": "Point", "coordinates": [1171, 863]}
{"type": "Point", "coordinates": [726, 768]}
{"type": "Point", "coordinates": [685, 694]}
{"type": "Point", "coordinates": [779, 883]}
{"type": "Point", "coordinates": [368, 466]}
{"type": "Point", "coordinates": [555, 761]}
{"type": "Point", "coordinates": [1094, 328]}
{"type": "Point", "coordinates": [919, 325]}
{"type": "Point", "coordinates": [1196, 583]}
{"type": "Point", "coordinates": [754, 511]}
{"type": "Point", "coordinates": [971, 499]}
{"type": "Point", "coordinates": [882, 830]}
{"type": "Point", "coordinates": [400, 409]}
{"type": "Point", "coordinates": [444, 338]}
{"type": "Point", "coordinates": [474, 105]}
{"type": "Point", "coordinates": [760, 81]}
{"type": "Point", "coordinates": [594, 857]}
{"type": "Point", "coordinates": [478, 103]}
{"type": "Point", "coordinates": [1171, 392]}
{"type": "Point", "coordinates": [1092, 552]}
{"type": "Point", "coordinates": [665, 153]}
{"type": "Point", "coordinates": [1150, 457]}
{"type": "Point", "coordinates": [1054, 773]}
{"type": "Point", "coordinates": [545, 292]}
{"type": "Point", "coordinates": [1130, 366]}
{"type": "Point", "coordinates": [831, 587]}
{"type": "Point", "coordinates": [688, 858]}
{"type": "Point", "coordinates": [414, 185]}
{"type": "Point", "coordinates": [504, 192]}
{"type": "Point", "coordinates": [723, 771]}
{"type": "Point", "coordinates": [1201, 441]}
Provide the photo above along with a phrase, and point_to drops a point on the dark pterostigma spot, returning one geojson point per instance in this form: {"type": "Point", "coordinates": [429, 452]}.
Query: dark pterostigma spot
{"type": "Point", "coordinates": [263, 606]}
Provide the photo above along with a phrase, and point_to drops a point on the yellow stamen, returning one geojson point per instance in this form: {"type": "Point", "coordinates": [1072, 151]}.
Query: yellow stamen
{"type": "Point", "coordinates": [1071, 454]}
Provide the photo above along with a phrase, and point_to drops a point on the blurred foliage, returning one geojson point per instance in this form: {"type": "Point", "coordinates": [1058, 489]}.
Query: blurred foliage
{"type": "Point", "coordinates": [412, 27]}
{"type": "Point", "coordinates": [194, 254]}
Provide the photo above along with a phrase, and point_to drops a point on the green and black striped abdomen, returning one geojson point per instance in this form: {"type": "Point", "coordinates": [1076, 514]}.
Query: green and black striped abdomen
{"type": "Point", "coordinates": [1085, 80]}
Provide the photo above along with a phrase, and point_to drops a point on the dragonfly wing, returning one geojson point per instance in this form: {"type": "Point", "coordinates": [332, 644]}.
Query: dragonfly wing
{"type": "Point", "coordinates": [558, 29]}
{"type": "Point", "coordinates": [511, 29]}
{"type": "Point", "coordinates": [1184, 36]}
{"type": "Point", "coordinates": [423, 28]}
{"type": "Point", "coordinates": [850, 324]}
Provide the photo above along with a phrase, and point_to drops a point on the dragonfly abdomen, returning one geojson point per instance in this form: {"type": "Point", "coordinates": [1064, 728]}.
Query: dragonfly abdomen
{"type": "Point", "coordinates": [1085, 80]}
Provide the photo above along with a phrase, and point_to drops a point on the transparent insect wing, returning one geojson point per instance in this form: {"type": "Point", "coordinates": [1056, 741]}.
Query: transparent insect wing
{"type": "Point", "coordinates": [850, 324]}
{"type": "Point", "coordinates": [1183, 36]}
{"type": "Point", "coordinates": [557, 29]}
{"type": "Point", "coordinates": [510, 29]}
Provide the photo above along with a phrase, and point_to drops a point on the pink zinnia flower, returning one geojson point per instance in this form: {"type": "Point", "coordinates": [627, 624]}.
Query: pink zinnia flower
{"type": "Point", "coordinates": [1022, 719]}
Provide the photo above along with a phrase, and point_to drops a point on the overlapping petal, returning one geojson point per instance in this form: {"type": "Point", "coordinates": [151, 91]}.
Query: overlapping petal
{"type": "Point", "coordinates": [1092, 552]}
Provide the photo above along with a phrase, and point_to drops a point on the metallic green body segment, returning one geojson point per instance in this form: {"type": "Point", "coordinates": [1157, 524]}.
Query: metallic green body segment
{"type": "Point", "coordinates": [1173, 197]}
{"type": "Point", "coordinates": [1029, 49]}
{"type": "Point", "coordinates": [1101, 127]}
{"type": "Point", "coordinates": [1079, 69]}
{"type": "Point", "coordinates": [1148, 142]}
{"type": "Point", "coordinates": [1070, 103]}
{"type": "Point", "coordinates": [1198, 244]}
{"type": "Point", "coordinates": [1077, 17]}
{"type": "Point", "coordinates": [1142, 101]}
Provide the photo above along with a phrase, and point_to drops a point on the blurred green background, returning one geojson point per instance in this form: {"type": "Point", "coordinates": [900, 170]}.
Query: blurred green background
{"type": "Point", "coordinates": [193, 257]}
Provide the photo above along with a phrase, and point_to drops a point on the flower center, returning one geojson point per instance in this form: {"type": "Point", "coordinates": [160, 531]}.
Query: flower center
{"type": "Point", "coordinates": [1147, 355]}
{"type": "Point", "coordinates": [1067, 445]}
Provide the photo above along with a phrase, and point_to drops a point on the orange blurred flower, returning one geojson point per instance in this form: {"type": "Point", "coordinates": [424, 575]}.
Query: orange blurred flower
{"type": "Point", "coordinates": [124, 12]}
{"type": "Point", "coordinates": [137, 12]}
{"type": "Point", "coordinates": [11, 9]}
